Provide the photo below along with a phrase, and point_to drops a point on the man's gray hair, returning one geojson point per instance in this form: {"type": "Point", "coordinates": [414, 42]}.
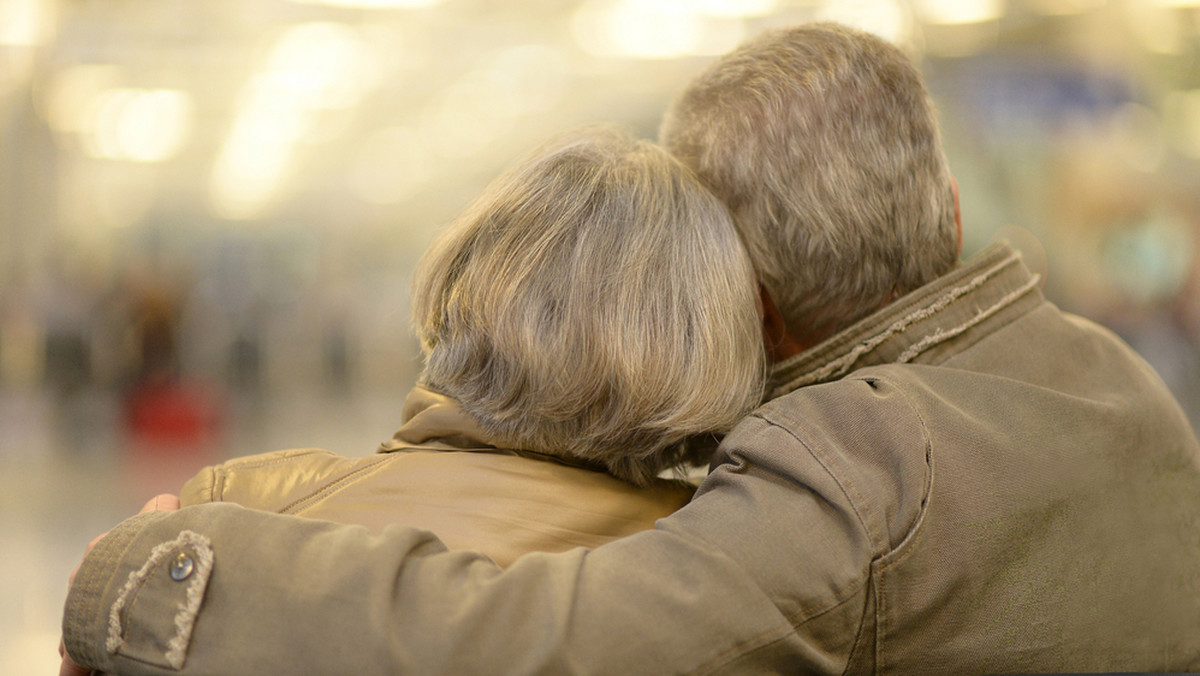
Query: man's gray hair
{"type": "Point", "coordinates": [824, 144]}
{"type": "Point", "coordinates": [594, 303]}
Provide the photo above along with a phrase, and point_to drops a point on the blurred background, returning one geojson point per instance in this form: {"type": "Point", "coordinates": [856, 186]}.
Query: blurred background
{"type": "Point", "coordinates": [209, 210]}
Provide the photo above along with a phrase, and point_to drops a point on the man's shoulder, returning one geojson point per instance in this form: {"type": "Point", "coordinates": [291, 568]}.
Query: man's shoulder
{"type": "Point", "coordinates": [871, 396]}
{"type": "Point", "coordinates": [864, 432]}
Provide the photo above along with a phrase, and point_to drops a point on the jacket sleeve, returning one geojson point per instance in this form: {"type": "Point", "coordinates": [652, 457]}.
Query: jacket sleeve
{"type": "Point", "coordinates": [766, 571]}
{"type": "Point", "coordinates": [200, 489]}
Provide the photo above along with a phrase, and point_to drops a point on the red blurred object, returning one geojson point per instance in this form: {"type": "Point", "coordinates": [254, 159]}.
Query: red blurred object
{"type": "Point", "coordinates": [172, 412]}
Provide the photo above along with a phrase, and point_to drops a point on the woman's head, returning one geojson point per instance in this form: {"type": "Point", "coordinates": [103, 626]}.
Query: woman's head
{"type": "Point", "coordinates": [595, 302]}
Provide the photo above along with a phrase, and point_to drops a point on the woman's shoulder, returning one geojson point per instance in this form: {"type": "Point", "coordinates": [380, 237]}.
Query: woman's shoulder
{"type": "Point", "coordinates": [271, 481]}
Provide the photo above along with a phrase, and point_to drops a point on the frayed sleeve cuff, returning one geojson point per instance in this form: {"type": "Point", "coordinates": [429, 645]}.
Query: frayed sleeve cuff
{"type": "Point", "coordinates": [165, 584]}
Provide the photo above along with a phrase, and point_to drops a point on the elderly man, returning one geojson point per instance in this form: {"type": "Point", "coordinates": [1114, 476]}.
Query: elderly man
{"type": "Point", "coordinates": [953, 476]}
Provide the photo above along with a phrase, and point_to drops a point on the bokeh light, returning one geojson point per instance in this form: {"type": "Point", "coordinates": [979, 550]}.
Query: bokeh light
{"type": "Point", "coordinates": [136, 125]}
{"type": "Point", "coordinates": [888, 19]}
{"type": "Point", "coordinates": [955, 12]}
{"type": "Point", "coordinates": [652, 29]}
{"type": "Point", "coordinates": [309, 69]}
{"type": "Point", "coordinates": [25, 23]}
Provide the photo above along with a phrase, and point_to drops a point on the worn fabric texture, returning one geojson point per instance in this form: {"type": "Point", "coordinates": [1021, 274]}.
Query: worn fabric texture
{"type": "Point", "coordinates": [969, 481]}
{"type": "Point", "coordinates": [441, 472]}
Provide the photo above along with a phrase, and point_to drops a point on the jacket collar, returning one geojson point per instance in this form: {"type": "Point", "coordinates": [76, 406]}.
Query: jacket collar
{"type": "Point", "coordinates": [926, 326]}
{"type": "Point", "coordinates": [437, 422]}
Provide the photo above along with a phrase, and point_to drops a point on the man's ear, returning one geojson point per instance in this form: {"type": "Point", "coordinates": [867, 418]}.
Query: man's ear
{"type": "Point", "coordinates": [777, 340]}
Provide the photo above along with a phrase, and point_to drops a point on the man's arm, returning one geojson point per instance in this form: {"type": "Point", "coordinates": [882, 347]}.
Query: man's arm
{"type": "Point", "coordinates": [765, 571]}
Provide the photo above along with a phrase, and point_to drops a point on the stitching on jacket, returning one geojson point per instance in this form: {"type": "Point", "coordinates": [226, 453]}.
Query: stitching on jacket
{"type": "Point", "coordinates": [905, 547]}
{"type": "Point", "coordinates": [896, 554]}
{"type": "Point", "coordinates": [372, 465]}
{"type": "Point", "coordinates": [278, 457]}
{"type": "Point", "coordinates": [841, 365]}
{"type": "Point", "coordinates": [185, 615]}
{"type": "Point", "coordinates": [880, 597]}
{"type": "Point", "coordinates": [836, 479]}
{"type": "Point", "coordinates": [839, 341]}
{"type": "Point", "coordinates": [788, 628]}
{"type": "Point", "coordinates": [880, 620]}
{"type": "Point", "coordinates": [217, 489]}
{"type": "Point", "coordinates": [799, 617]}
{"type": "Point", "coordinates": [862, 622]}
{"type": "Point", "coordinates": [942, 335]}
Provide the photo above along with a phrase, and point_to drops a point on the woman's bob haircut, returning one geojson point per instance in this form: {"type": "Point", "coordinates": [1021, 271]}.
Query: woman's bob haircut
{"type": "Point", "coordinates": [596, 304]}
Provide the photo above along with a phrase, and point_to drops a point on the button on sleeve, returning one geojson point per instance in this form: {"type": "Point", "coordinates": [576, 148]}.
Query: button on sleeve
{"type": "Point", "coordinates": [166, 593]}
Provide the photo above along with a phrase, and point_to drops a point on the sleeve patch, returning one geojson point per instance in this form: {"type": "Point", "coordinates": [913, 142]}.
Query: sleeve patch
{"type": "Point", "coordinates": [189, 544]}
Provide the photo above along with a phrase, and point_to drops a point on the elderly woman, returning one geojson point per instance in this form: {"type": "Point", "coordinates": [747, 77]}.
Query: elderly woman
{"type": "Point", "coordinates": [590, 312]}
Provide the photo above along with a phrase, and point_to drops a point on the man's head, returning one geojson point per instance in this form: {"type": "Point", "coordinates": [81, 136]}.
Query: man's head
{"type": "Point", "coordinates": [823, 142]}
{"type": "Point", "coordinates": [595, 303]}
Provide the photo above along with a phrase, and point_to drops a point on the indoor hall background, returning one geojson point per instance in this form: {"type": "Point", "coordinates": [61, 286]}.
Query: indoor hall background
{"type": "Point", "coordinates": [209, 210]}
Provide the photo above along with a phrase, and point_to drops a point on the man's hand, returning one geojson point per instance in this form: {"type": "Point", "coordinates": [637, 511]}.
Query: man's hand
{"type": "Point", "coordinates": [159, 503]}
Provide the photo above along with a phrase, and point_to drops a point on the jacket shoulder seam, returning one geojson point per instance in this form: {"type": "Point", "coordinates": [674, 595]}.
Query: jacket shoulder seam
{"type": "Point", "coordinates": [273, 458]}
{"type": "Point", "coordinates": [331, 486]}
{"type": "Point", "coordinates": [905, 545]}
{"type": "Point", "coordinates": [857, 503]}
{"type": "Point", "coordinates": [913, 526]}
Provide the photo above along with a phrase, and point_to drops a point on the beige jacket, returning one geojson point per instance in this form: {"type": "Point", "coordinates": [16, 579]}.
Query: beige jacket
{"type": "Point", "coordinates": [441, 472]}
{"type": "Point", "coordinates": [968, 481]}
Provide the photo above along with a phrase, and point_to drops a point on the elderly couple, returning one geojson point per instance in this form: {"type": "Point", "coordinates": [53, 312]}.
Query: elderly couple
{"type": "Point", "coordinates": [949, 475]}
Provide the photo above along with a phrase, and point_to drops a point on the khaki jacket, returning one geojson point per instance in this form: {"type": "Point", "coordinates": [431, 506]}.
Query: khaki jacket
{"type": "Point", "coordinates": [441, 472]}
{"type": "Point", "coordinates": [968, 481]}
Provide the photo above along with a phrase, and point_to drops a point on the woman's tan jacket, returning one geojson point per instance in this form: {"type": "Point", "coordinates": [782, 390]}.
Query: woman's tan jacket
{"type": "Point", "coordinates": [441, 473]}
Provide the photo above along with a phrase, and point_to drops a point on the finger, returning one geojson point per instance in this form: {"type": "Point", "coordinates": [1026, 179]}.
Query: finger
{"type": "Point", "coordinates": [94, 541]}
{"type": "Point", "coordinates": [164, 502]}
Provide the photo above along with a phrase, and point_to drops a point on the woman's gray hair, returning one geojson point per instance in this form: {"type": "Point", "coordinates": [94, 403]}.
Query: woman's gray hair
{"type": "Point", "coordinates": [593, 303]}
{"type": "Point", "coordinates": [824, 144]}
